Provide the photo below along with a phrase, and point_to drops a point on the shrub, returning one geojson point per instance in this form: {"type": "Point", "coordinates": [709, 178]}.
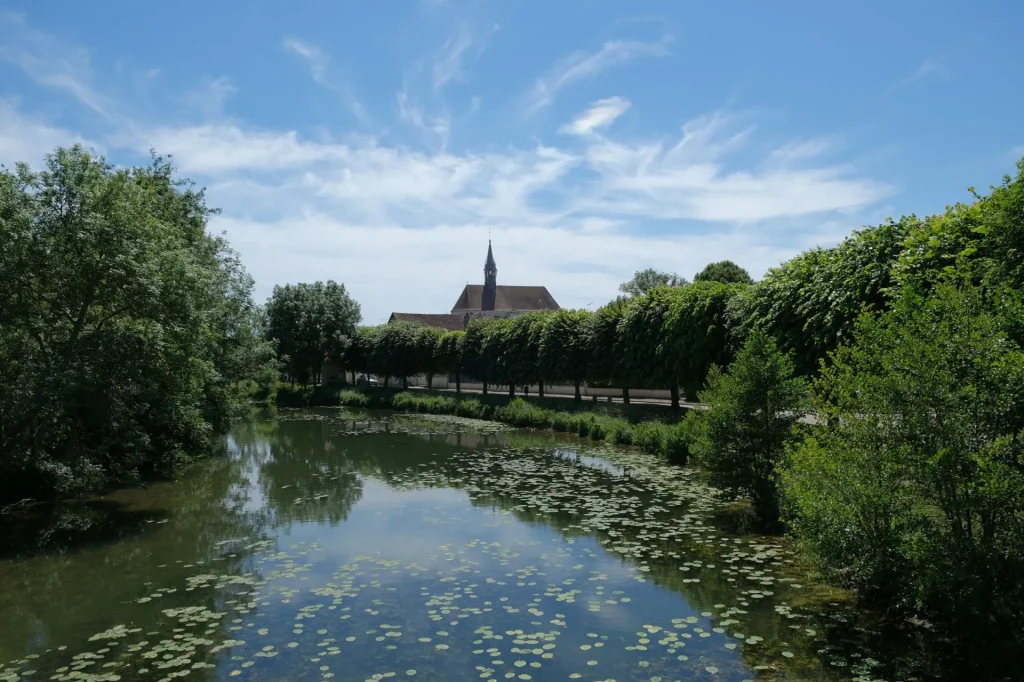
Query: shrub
{"type": "Point", "coordinates": [404, 402]}
{"type": "Point", "coordinates": [913, 489]}
{"type": "Point", "coordinates": [676, 446]}
{"type": "Point", "coordinates": [564, 421]}
{"type": "Point", "coordinates": [519, 412]}
{"type": "Point", "coordinates": [352, 399]}
{"type": "Point", "coordinates": [752, 409]}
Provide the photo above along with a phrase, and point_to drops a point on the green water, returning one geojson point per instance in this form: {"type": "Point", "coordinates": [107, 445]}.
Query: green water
{"type": "Point", "coordinates": [356, 547]}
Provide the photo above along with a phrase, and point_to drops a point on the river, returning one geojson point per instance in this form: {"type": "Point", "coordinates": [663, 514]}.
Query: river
{"type": "Point", "coordinates": [335, 544]}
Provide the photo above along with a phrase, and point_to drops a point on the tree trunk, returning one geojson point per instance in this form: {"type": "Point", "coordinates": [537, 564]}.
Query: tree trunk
{"type": "Point", "coordinates": [485, 388]}
{"type": "Point", "coordinates": [430, 381]}
{"type": "Point", "coordinates": [579, 396]}
{"type": "Point", "coordinates": [511, 390]}
{"type": "Point", "coordinates": [385, 384]}
{"type": "Point", "coordinates": [458, 383]}
{"type": "Point", "coordinates": [625, 395]}
{"type": "Point", "coordinates": [675, 398]}
{"type": "Point", "coordinates": [526, 390]}
{"type": "Point", "coordinates": [540, 388]}
{"type": "Point", "coordinates": [405, 383]}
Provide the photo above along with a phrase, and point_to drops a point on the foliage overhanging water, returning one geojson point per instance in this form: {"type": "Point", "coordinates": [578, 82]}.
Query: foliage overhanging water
{"type": "Point", "coordinates": [364, 547]}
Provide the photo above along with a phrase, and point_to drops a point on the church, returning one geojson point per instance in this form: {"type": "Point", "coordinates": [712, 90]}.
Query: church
{"type": "Point", "coordinates": [489, 299]}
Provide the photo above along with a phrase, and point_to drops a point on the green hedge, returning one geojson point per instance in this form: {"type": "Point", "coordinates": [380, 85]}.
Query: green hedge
{"type": "Point", "coordinates": [668, 439]}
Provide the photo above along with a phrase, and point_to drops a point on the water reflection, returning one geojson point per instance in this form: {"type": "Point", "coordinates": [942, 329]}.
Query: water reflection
{"type": "Point", "coordinates": [328, 543]}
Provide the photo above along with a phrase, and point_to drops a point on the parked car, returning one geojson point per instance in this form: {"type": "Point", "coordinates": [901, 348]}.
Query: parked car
{"type": "Point", "coordinates": [367, 380]}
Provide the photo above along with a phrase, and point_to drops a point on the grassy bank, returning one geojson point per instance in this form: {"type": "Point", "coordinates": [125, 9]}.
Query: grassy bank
{"type": "Point", "coordinates": [605, 423]}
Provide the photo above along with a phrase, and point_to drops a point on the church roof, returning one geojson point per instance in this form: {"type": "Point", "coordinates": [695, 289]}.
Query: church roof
{"type": "Point", "coordinates": [507, 298]}
{"type": "Point", "coordinates": [448, 321]}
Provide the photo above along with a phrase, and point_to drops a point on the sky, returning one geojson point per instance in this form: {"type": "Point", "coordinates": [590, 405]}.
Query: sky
{"type": "Point", "coordinates": [381, 144]}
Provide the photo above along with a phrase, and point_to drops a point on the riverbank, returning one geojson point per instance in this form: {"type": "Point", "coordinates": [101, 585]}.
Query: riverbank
{"type": "Point", "coordinates": [653, 430]}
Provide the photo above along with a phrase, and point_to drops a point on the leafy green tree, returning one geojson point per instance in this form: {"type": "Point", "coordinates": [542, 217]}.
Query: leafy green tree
{"type": "Point", "coordinates": [913, 490]}
{"type": "Point", "coordinates": [607, 351]}
{"type": "Point", "coordinates": [646, 360]}
{"type": "Point", "coordinates": [515, 345]}
{"type": "Point", "coordinates": [428, 340]}
{"type": "Point", "coordinates": [311, 324]}
{"type": "Point", "coordinates": [564, 348]}
{"type": "Point", "coordinates": [396, 351]}
{"type": "Point", "coordinates": [449, 356]}
{"type": "Point", "coordinates": [476, 359]}
{"type": "Point", "coordinates": [984, 239]}
{"type": "Point", "coordinates": [752, 409]}
{"type": "Point", "coordinates": [695, 333]}
{"type": "Point", "coordinates": [811, 303]}
{"type": "Point", "coordinates": [128, 337]}
{"type": "Point", "coordinates": [724, 271]}
{"type": "Point", "coordinates": [645, 280]}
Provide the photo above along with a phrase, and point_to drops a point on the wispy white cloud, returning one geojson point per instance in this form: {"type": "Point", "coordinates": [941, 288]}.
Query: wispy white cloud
{"type": "Point", "coordinates": [50, 62]}
{"type": "Point", "coordinates": [581, 65]}
{"type": "Point", "coordinates": [801, 150]}
{"type": "Point", "coordinates": [209, 97]}
{"type": "Point", "coordinates": [576, 215]}
{"type": "Point", "coordinates": [466, 43]}
{"type": "Point", "coordinates": [29, 139]}
{"type": "Point", "coordinates": [600, 115]}
{"type": "Point", "coordinates": [438, 129]}
{"type": "Point", "coordinates": [318, 65]}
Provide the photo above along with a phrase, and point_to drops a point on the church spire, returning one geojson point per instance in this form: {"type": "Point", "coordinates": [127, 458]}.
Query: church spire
{"type": "Point", "coordinates": [490, 292]}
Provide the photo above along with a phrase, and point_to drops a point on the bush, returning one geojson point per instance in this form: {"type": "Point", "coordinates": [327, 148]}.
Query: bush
{"type": "Point", "coordinates": [519, 412]}
{"type": "Point", "coordinates": [677, 439]}
{"type": "Point", "coordinates": [353, 399]}
{"type": "Point", "coordinates": [913, 489]}
{"type": "Point", "coordinates": [752, 409]}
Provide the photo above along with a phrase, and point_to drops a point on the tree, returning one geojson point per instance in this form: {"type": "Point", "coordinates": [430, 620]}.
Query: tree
{"type": "Point", "coordinates": [645, 280]}
{"type": "Point", "coordinates": [605, 339]}
{"type": "Point", "coordinates": [751, 411]}
{"type": "Point", "coordinates": [396, 351]}
{"type": "Point", "coordinates": [646, 360]}
{"type": "Point", "coordinates": [311, 324]}
{"type": "Point", "coordinates": [724, 271]}
{"type": "Point", "coordinates": [449, 356]}
{"type": "Point", "coordinates": [428, 340]}
{"type": "Point", "coordinates": [913, 490]}
{"type": "Point", "coordinates": [564, 351]}
{"type": "Point", "coordinates": [128, 336]}
{"type": "Point", "coordinates": [696, 334]}
{"type": "Point", "coordinates": [811, 303]}
{"type": "Point", "coordinates": [515, 345]}
{"type": "Point", "coordinates": [475, 358]}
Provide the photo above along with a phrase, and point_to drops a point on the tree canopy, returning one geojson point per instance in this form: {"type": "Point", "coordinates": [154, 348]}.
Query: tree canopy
{"type": "Point", "coordinates": [128, 335]}
{"type": "Point", "coordinates": [724, 271]}
{"type": "Point", "coordinates": [644, 281]}
{"type": "Point", "coordinates": [311, 324]}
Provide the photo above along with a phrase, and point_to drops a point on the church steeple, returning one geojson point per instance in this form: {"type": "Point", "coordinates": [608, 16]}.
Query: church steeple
{"type": "Point", "coordinates": [490, 292]}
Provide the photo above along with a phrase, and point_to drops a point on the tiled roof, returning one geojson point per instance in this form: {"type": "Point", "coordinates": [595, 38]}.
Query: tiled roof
{"type": "Point", "coordinates": [446, 321]}
{"type": "Point", "coordinates": [507, 298]}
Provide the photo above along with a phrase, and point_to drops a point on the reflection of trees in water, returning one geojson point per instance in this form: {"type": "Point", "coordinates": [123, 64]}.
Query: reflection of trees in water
{"type": "Point", "coordinates": [99, 557]}
{"type": "Point", "coordinates": [302, 474]}
{"type": "Point", "coordinates": [828, 640]}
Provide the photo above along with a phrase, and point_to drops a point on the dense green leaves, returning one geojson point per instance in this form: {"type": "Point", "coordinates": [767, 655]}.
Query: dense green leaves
{"type": "Point", "coordinates": [127, 333]}
{"type": "Point", "coordinates": [724, 271]}
{"type": "Point", "coordinates": [810, 303]}
{"type": "Point", "coordinates": [644, 281]}
{"type": "Point", "coordinates": [311, 324]}
{"type": "Point", "coordinates": [564, 349]}
{"type": "Point", "coordinates": [751, 411]}
{"type": "Point", "coordinates": [914, 491]}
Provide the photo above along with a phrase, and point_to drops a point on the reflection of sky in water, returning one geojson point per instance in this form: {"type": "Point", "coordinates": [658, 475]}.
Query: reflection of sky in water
{"type": "Point", "coordinates": [481, 548]}
{"type": "Point", "coordinates": [359, 531]}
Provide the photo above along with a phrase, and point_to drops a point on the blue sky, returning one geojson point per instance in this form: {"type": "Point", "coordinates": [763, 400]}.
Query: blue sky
{"type": "Point", "coordinates": [380, 143]}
